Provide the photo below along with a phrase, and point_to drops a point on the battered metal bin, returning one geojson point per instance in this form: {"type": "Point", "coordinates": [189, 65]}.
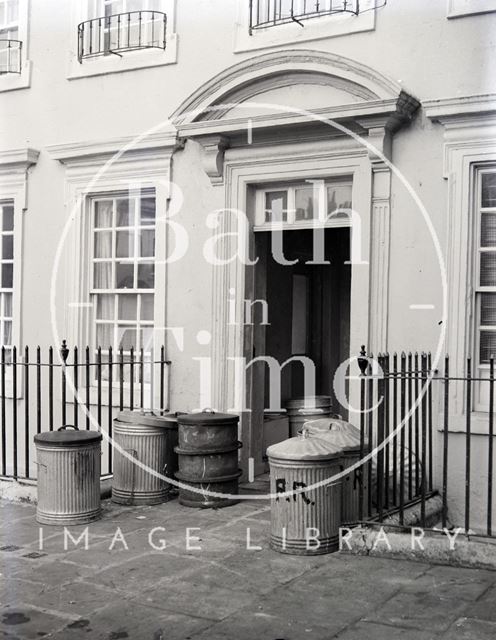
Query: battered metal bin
{"type": "Point", "coordinates": [308, 517]}
{"type": "Point", "coordinates": [149, 440]}
{"type": "Point", "coordinates": [208, 459]}
{"type": "Point", "coordinates": [300, 410]}
{"type": "Point", "coordinates": [68, 476]}
{"type": "Point", "coordinates": [346, 437]}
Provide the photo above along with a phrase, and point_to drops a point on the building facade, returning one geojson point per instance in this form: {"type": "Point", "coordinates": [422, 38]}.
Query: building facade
{"type": "Point", "coordinates": [157, 156]}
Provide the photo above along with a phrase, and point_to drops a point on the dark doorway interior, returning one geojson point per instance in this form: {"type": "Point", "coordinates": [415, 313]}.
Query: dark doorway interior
{"type": "Point", "coordinates": [308, 307]}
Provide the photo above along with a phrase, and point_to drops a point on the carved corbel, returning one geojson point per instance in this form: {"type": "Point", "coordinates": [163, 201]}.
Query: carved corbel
{"type": "Point", "coordinates": [213, 148]}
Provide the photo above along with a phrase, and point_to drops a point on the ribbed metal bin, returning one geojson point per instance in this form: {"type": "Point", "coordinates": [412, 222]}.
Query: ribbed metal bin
{"type": "Point", "coordinates": [345, 437]}
{"type": "Point", "coordinates": [208, 459]}
{"type": "Point", "coordinates": [296, 463]}
{"type": "Point", "coordinates": [68, 476]}
{"type": "Point", "coordinates": [150, 440]}
{"type": "Point", "coordinates": [300, 410]}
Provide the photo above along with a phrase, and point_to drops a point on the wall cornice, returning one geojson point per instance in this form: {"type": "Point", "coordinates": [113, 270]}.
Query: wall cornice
{"type": "Point", "coordinates": [88, 151]}
{"type": "Point", "coordinates": [18, 159]}
{"type": "Point", "coordinates": [461, 110]}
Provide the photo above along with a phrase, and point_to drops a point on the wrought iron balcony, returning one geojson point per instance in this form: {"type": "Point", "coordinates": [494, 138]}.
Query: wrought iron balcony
{"type": "Point", "coordinates": [121, 32]}
{"type": "Point", "coordinates": [10, 56]}
{"type": "Point", "coordinates": [270, 13]}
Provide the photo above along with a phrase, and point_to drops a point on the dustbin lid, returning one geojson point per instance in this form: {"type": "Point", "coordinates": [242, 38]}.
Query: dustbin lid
{"type": "Point", "coordinates": [304, 446]}
{"type": "Point", "coordinates": [67, 437]}
{"type": "Point", "coordinates": [208, 419]}
{"type": "Point", "coordinates": [148, 419]}
{"type": "Point", "coordinates": [341, 433]}
{"type": "Point", "coordinates": [309, 402]}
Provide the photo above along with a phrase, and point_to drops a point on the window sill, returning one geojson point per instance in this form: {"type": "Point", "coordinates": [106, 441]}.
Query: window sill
{"type": "Point", "coordinates": [479, 423]}
{"type": "Point", "coordinates": [314, 29]}
{"type": "Point", "coordinates": [462, 8]}
{"type": "Point", "coordinates": [129, 61]}
{"type": "Point", "coordinates": [14, 81]}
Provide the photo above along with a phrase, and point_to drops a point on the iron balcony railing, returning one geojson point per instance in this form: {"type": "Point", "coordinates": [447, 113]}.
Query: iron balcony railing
{"type": "Point", "coordinates": [82, 387]}
{"type": "Point", "coordinates": [10, 56]}
{"type": "Point", "coordinates": [122, 32]}
{"type": "Point", "coordinates": [270, 13]}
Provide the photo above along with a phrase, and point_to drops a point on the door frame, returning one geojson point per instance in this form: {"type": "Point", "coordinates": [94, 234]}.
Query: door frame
{"type": "Point", "coordinates": [249, 168]}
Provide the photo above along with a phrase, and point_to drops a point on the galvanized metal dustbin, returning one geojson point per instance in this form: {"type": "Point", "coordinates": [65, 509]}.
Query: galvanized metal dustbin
{"type": "Point", "coordinates": [68, 476]}
{"type": "Point", "coordinates": [149, 440]}
{"type": "Point", "coordinates": [346, 437]}
{"type": "Point", "coordinates": [305, 521]}
{"type": "Point", "coordinates": [208, 459]}
{"type": "Point", "coordinates": [300, 410]}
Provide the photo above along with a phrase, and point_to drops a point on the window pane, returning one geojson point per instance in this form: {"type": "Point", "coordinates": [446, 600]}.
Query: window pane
{"type": "Point", "coordinates": [488, 269]}
{"type": "Point", "coordinates": [487, 346]}
{"type": "Point", "coordinates": [276, 206]}
{"type": "Point", "coordinates": [147, 243]}
{"type": "Point", "coordinates": [147, 307]}
{"type": "Point", "coordinates": [7, 305]}
{"type": "Point", "coordinates": [488, 308]}
{"type": "Point", "coordinates": [146, 276]}
{"type": "Point", "coordinates": [147, 215]}
{"type": "Point", "coordinates": [8, 218]}
{"type": "Point", "coordinates": [488, 230]}
{"type": "Point", "coordinates": [128, 307]}
{"type": "Point", "coordinates": [126, 337]}
{"type": "Point", "coordinates": [7, 247]}
{"type": "Point", "coordinates": [102, 275]}
{"type": "Point", "coordinates": [125, 244]}
{"type": "Point", "coordinates": [105, 307]}
{"type": "Point", "coordinates": [124, 275]}
{"type": "Point", "coordinates": [146, 336]}
{"type": "Point", "coordinates": [12, 11]}
{"type": "Point", "coordinates": [489, 189]}
{"type": "Point", "coordinates": [304, 200]}
{"type": "Point", "coordinates": [125, 217]}
{"type": "Point", "coordinates": [7, 333]}
{"type": "Point", "coordinates": [104, 335]}
{"type": "Point", "coordinates": [7, 276]}
{"type": "Point", "coordinates": [338, 197]}
{"type": "Point", "coordinates": [103, 214]}
{"type": "Point", "coordinates": [103, 244]}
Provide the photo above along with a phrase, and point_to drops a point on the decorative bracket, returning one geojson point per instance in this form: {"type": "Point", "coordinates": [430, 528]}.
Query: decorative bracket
{"type": "Point", "coordinates": [214, 147]}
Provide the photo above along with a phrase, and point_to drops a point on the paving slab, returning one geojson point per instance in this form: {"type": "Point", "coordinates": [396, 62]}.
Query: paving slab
{"type": "Point", "coordinates": [424, 611]}
{"type": "Point", "coordinates": [471, 629]}
{"type": "Point", "coordinates": [224, 590]}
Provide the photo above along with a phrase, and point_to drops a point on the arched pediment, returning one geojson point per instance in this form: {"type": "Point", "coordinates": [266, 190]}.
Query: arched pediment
{"type": "Point", "coordinates": [310, 79]}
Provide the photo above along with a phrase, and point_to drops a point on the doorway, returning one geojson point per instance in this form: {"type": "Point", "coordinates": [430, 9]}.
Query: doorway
{"type": "Point", "coordinates": [307, 315]}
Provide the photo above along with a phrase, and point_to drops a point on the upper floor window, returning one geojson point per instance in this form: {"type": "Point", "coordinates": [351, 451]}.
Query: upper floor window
{"type": "Point", "coordinates": [117, 26]}
{"type": "Point", "coordinates": [10, 43]}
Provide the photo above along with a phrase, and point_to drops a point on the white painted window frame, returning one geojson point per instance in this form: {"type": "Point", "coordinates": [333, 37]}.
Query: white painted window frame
{"type": "Point", "coordinates": [14, 166]}
{"type": "Point", "coordinates": [469, 143]}
{"type": "Point", "coordinates": [319, 28]}
{"type": "Point", "coordinates": [13, 81]}
{"type": "Point", "coordinates": [460, 8]}
{"type": "Point", "coordinates": [81, 10]}
{"type": "Point", "coordinates": [89, 175]}
{"type": "Point", "coordinates": [291, 223]}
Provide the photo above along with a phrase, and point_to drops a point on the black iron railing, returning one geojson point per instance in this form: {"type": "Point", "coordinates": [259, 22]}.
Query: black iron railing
{"type": "Point", "coordinates": [85, 388]}
{"type": "Point", "coordinates": [396, 426]}
{"type": "Point", "coordinates": [270, 13]}
{"type": "Point", "coordinates": [122, 32]}
{"type": "Point", "coordinates": [415, 461]}
{"type": "Point", "coordinates": [10, 56]}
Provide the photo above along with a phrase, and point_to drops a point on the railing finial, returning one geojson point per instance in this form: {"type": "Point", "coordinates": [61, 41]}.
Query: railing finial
{"type": "Point", "coordinates": [64, 351]}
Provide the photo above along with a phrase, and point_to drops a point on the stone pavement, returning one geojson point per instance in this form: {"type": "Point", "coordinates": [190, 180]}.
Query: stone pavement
{"type": "Point", "coordinates": [223, 591]}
